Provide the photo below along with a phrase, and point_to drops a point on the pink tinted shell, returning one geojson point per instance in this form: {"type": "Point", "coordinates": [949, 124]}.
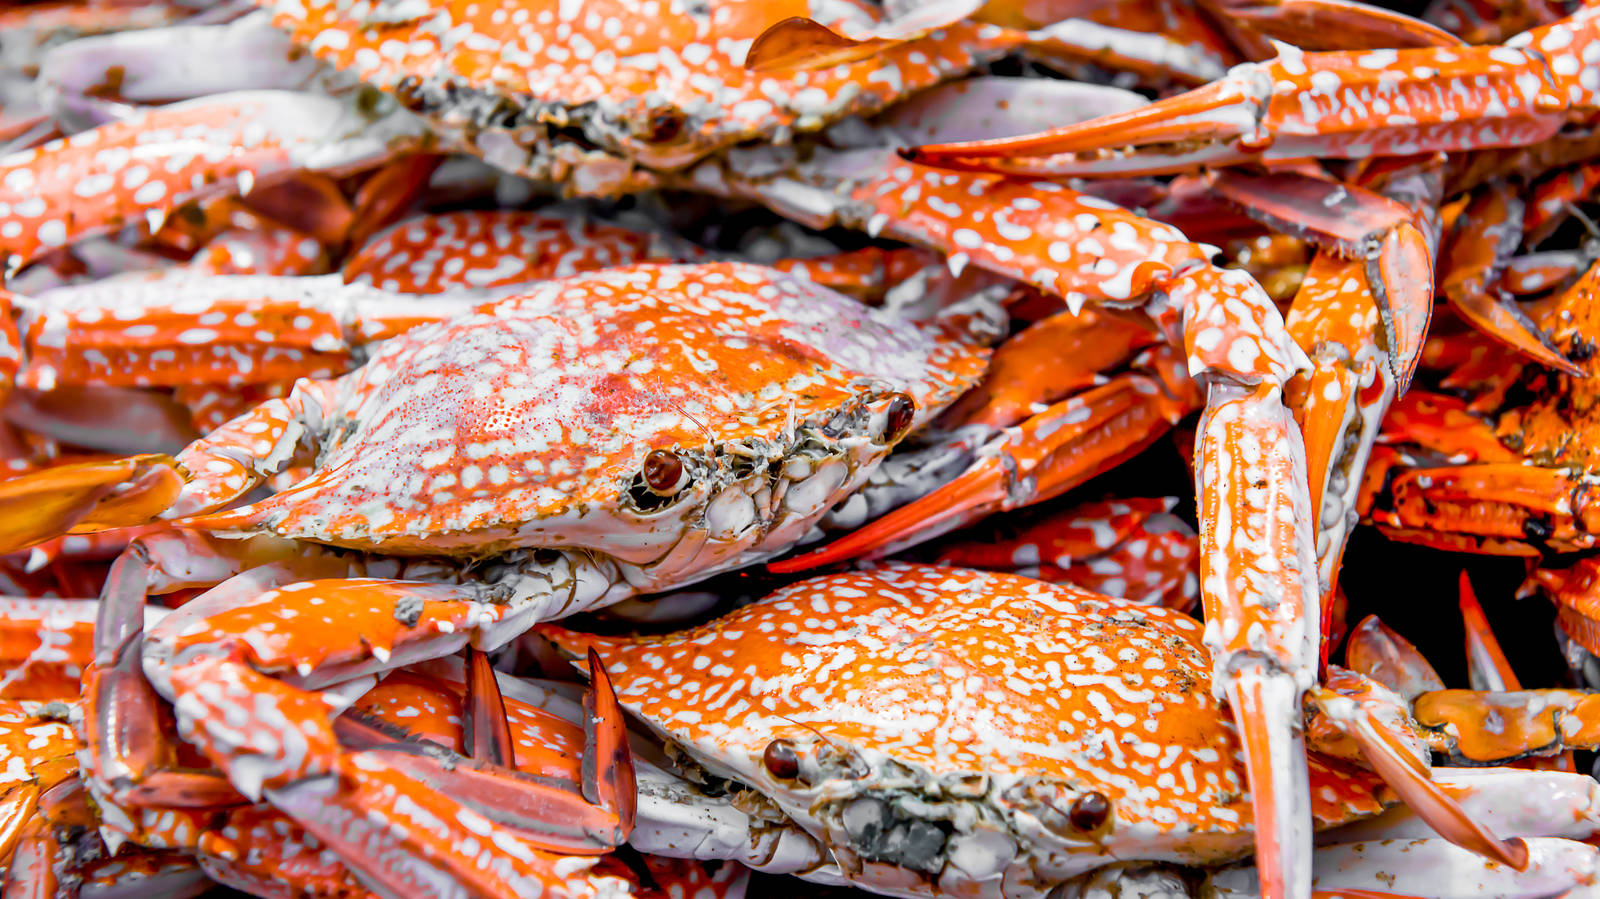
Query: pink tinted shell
{"type": "Point", "coordinates": [545, 405]}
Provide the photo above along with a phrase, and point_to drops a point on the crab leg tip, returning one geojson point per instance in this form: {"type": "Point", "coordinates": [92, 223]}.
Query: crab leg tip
{"type": "Point", "coordinates": [1266, 707]}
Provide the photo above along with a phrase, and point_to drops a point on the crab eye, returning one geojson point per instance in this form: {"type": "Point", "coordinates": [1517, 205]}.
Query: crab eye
{"type": "Point", "coordinates": [1089, 812]}
{"type": "Point", "coordinates": [902, 411]}
{"type": "Point", "coordinates": [664, 124]}
{"type": "Point", "coordinates": [663, 471]}
{"type": "Point", "coordinates": [409, 92]}
{"type": "Point", "coordinates": [781, 760]}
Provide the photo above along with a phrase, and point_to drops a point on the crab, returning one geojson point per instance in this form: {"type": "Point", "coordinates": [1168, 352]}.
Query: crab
{"type": "Point", "coordinates": [952, 732]}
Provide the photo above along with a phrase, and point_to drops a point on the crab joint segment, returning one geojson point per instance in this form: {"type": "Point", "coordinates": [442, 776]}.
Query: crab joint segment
{"type": "Point", "coordinates": [1258, 583]}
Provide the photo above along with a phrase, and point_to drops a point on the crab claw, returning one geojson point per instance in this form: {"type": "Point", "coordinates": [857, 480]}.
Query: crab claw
{"type": "Point", "coordinates": [1487, 665]}
{"type": "Point", "coordinates": [400, 813]}
{"type": "Point", "coordinates": [1390, 659]}
{"type": "Point", "coordinates": [1487, 233]}
{"type": "Point", "coordinates": [484, 728]}
{"type": "Point", "coordinates": [1210, 126]}
{"type": "Point", "coordinates": [1308, 105]}
{"type": "Point", "coordinates": [609, 780]}
{"type": "Point", "coordinates": [1374, 719]}
{"type": "Point", "coordinates": [1337, 24]}
{"type": "Point", "coordinates": [85, 496]}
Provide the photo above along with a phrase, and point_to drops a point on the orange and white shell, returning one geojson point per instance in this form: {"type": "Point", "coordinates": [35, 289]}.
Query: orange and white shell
{"type": "Point", "coordinates": [948, 725]}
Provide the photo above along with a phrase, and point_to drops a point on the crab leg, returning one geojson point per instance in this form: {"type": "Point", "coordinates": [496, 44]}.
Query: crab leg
{"type": "Point", "coordinates": [83, 185]}
{"type": "Point", "coordinates": [87, 495]}
{"type": "Point", "coordinates": [142, 779]}
{"type": "Point", "coordinates": [430, 254]}
{"type": "Point", "coordinates": [124, 723]}
{"type": "Point", "coordinates": [1309, 105]}
{"type": "Point", "coordinates": [1077, 348]}
{"type": "Point", "coordinates": [1536, 273]}
{"type": "Point", "coordinates": [164, 874]}
{"type": "Point", "coordinates": [1487, 728]}
{"type": "Point", "coordinates": [232, 329]}
{"type": "Point", "coordinates": [1386, 237]}
{"type": "Point", "coordinates": [1258, 585]}
{"type": "Point", "coordinates": [31, 873]}
{"type": "Point", "coordinates": [1514, 802]}
{"type": "Point", "coordinates": [1374, 719]}
{"type": "Point", "coordinates": [1132, 549]}
{"type": "Point", "coordinates": [162, 65]}
{"type": "Point", "coordinates": [1551, 200]}
{"type": "Point", "coordinates": [1508, 501]}
{"type": "Point", "coordinates": [42, 748]}
{"type": "Point", "coordinates": [1360, 315]}
{"type": "Point", "coordinates": [45, 644]}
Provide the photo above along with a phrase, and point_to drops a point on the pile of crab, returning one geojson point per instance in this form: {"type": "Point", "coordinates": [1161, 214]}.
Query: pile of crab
{"type": "Point", "coordinates": [611, 448]}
